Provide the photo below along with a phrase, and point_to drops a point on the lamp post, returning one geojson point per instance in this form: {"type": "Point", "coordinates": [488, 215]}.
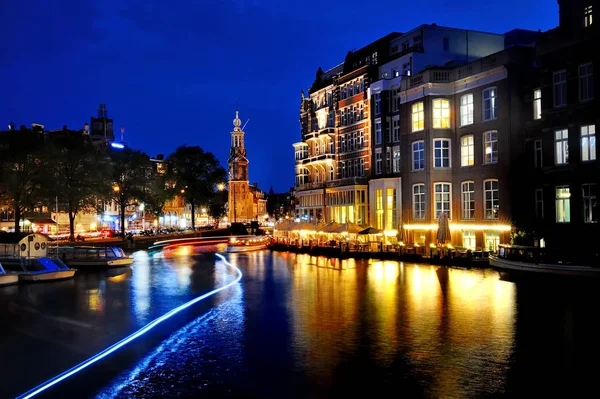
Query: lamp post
{"type": "Point", "coordinates": [142, 209]}
{"type": "Point", "coordinates": [116, 190]}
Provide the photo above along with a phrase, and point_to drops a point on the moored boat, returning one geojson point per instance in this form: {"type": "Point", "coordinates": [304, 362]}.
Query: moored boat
{"type": "Point", "coordinates": [91, 257]}
{"type": "Point", "coordinates": [40, 269]}
{"type": "Point", "coordinates": [246, 244]}
{"type": "Point", "coordinates": [7, 279]}
{"type": "Point", "coordinates": [535, 259]}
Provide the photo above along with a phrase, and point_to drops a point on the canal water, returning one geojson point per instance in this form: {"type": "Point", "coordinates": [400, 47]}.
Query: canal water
{"type": "Point", "coordinates": [297, 326]}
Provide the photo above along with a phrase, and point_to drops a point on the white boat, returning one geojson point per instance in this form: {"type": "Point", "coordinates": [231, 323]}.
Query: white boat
{"type": "Point", "coordinates": [531, 259]}
{"type": "Point", "coordinates": [91, 257]}
{"type": "Point", "coordinates": [39, 269]}
{"type": "Point", "coordinates": [7, 279]}
{"type": "Point", "coordinates": [247, 244]}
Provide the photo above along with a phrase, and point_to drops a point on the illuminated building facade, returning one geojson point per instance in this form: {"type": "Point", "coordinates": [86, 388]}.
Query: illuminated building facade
{"type": "Point", "coordinates": [333, 158]}
{"type": "Point", "coordinates": [246, 203]}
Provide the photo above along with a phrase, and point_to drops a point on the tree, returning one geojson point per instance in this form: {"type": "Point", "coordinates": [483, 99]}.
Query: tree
{"type": "Point", "coordinates": [156, 194]}
{"type": "Point", "coordinates": [131, 173]}
{"type": "Point", "coordinates": [217, 206]}
{"type": "Point", "coordinates": [77, 172]}
{"type": "Point", "coordinates": [20, 177]}
{"type": "Point", "coordinates": [195, 174]}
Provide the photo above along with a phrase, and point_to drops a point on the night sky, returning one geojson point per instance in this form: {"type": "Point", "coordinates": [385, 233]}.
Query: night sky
{"type": "Point", "coordinates": [171, 72]}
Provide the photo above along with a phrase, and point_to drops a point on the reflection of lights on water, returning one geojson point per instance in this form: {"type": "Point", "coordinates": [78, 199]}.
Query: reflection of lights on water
{"type": "Point", "coordinates": [95, 299]}
{"type": "Point", "coordinates": [118, 278]}
{"type": "Point", "coordinates": [101, 355]}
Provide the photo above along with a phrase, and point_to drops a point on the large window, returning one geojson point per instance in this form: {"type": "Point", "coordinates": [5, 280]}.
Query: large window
{"type": "Point", "coordinates": [378, 161]}
{"type": "Point", "coordinates": [377, 103]}
{"type": "Point", "coordinates": [396, 166]}
{"type": "Point", "coordinates": [490, 104]}
{"type": "Point", "coordinates": [361, 165]}
{"type": "Point", "coordinates": [492, 199]}
{"type": "Point", "coordinates": [537, 104]}
{"type": "Point", "coordinates": [560, 88]}
{"type": "Point", "coordinates": [390, 219]}
{"type": "Point", "coordinates": [587, 16]}
{"type": "Point", "coordinates": [468, 200]}
{"type": "Point", "coordinates": [563, 204]}
{"type": "Point", "coordinates": [590, 212]}
{"type": "Point", "coordinates": [539, 203]}
{"type": "Point", "coordinates": [441, 114]}
{"type": "Point", "coordinates": [379, 208]}
{"type": "Point", "coordinates": [396, 130]}
{"type": "Point", "coordinates": [469, 241]}
{"type": "Point", "coordinates": [418, 117]}
{"type": "Point", "coordinates": [418, 155]}
{"type": "Point", "coordinates": [388, 159]}
{"type": "Point", "coordinates": [586, 82]}
{"type": "Point", "coordinates": [441, 153]}
{"type": "Point", "coordinates": [492, 240]}
{"type": "Point", "coordinates": [538, 160]}
{"type": "Point", "coordinates": [442, 199]}
{"type": "Point", "coordinates": [561, 140]}
{"type": "Point", "coordinates": [378, 133]}
{"type": "Point", "coordinates": [588, 143]}
{"type": "Point", "coordinates": [490, 147]}
{"type": "Point", "coordinates": [467, 151]}
{"type": "Point", "coordinates": [361, 139]}
{"type": "Point", "coordinates": [466, 110]}
{"type": "Point", "coordinates": [419, 201]}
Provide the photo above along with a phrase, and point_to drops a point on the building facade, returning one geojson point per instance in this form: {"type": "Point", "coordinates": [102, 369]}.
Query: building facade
{"type": "Point", "coordinates": [562, 165]}
{"type": "Point", "coordinates": [246, 203]}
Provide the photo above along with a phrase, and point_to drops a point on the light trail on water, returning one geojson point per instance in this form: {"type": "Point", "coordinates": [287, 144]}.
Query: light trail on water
{"type": "Point", "coordinates": [115, 347]}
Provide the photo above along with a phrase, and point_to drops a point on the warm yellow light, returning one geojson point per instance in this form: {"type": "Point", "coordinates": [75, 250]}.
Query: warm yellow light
{"type": "Point", "coordinates": [457, 226]}
{"type": "Point", "coordinates": [390, 233]}
{"type": "Point", "coordinates": [220, 186]}
{"type": "Point", "coordinates": [431, 246]}
{"type": "Point", "coordinates": [116, 188]}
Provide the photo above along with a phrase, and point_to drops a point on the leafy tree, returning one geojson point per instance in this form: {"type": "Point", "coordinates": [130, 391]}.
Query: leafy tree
{"type": "Point", "coordinates": [156, 194]}
{"type": "Point", "coordinates": [217, 206]}
{"type": "Point", "coordinates": [20, 177]}
{"type": "Point", "coordinates": [131, 174]}
{"type": "Point", "coordinates": [77, 173]}
{"type": "Point", "coordinates": [195, 174]}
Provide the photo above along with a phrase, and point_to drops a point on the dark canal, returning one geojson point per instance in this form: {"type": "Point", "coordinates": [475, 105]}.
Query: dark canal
{"type": "Point", "coordinates": [297, 326]}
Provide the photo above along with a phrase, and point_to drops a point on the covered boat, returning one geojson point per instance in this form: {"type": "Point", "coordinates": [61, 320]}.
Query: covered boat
{"type": "Point", "coordinates": [92, 257]}
{"type": "Point", "coordinates": [7, 279]}
{"type": "Point", "coordinates": [246, 244]}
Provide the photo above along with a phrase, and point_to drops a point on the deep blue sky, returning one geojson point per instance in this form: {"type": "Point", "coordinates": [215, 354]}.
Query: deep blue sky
{"type": "Point", "coordinates": [171, 72]}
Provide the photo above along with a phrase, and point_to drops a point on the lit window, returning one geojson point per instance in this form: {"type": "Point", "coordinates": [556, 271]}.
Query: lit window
{"type": "Point", "coordinates": [562, 146]}
{"type": "Point", "coordinates": [361, 139]}
{"type": "Point", "coordinates": [537, 154]}
{"type": "Point", "coordinates": [590, 210]}
{"type": "Point", "coordinates": [468, 200]}
{"type": "Point", "coordinates": [492, 240]}
{"type": "Point", "coordinates": [379, 208]}
{"type": "Point", "coordinates": [419, 201]}
{"type": "Point", "coordinates": [588, 143]}
{"type": "Point", "coordinates": [537, 104]}
{"type": "Point", "coordinates": [418, 117]}
{"type": "Point", "coordinates": [388, 159]}
{"type": "Point", "coordinates": [491, 199]}
{"type": "Point", "coordinates": [539, 203]}
{"type": "Point", "coordinates": [362, 166]}
{"type": "Point", "coordinates": [490, 104]}
{"type": "Point", "coordinates": [390, 220]}
{"type": "Point", "coordinates": [560, 88]}
{"type": "Point", "coordinates": [469, 240]}
{"type": "Point", "coordinates": [466, 110]}
{"type": "Point", "coordinates": [586, 82]}
{"type": "Point", "coordinates": [490, 147]}
{"type": "Point", "coordinates": [442, 199]}
{"type": "Point", "coordinates": [441, 153]}
{"type": "Point", "coordinates": [563, 204]}
{"type": "Point", "coordinates": [378, 133]}
{"type": "Point", "coordinates": [378, 161]}
{"type": "Point", "coordinates": [467, 151]}
{"type": "Point", "coordinates": [418, 155]}
{"type": "Point", "coordinates": [587, 16]}
{"type": "Point", "coordinates": [395, 73]}
{"type": "Point", "coordinates": [396, 168]}
{"type": "Point", "coordinates": [441, 114]}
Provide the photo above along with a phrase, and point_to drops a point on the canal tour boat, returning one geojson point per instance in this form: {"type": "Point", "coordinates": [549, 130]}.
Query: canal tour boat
{"type": "Point", "coordinates": [247, 244]}
{"type": "Point", "coordinates": [25, 255]}
{"type": "Point", "coordinates": [533, 259]}
{"type": "Point", "coordinates": [7, 279]}
{"type": "Point", "coordinates": [91, 257]}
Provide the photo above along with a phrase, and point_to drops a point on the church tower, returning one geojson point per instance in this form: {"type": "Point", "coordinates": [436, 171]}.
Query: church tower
{"type": "Point", "coordinates": [240, 197]}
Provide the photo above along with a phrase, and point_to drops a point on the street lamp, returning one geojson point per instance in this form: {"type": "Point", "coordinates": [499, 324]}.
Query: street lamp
{"type": "Point", "coordinates": [116, 188]}
{"type": "Point", "coordinates": [142, 207]}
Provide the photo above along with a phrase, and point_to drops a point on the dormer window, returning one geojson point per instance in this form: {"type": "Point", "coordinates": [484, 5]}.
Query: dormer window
{"type": "Point", "coordinates": [587, 16]}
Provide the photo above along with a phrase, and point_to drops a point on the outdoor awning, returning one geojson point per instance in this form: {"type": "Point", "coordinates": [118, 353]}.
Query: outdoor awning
{"type": "Point", "coordinates": [40, 220]}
